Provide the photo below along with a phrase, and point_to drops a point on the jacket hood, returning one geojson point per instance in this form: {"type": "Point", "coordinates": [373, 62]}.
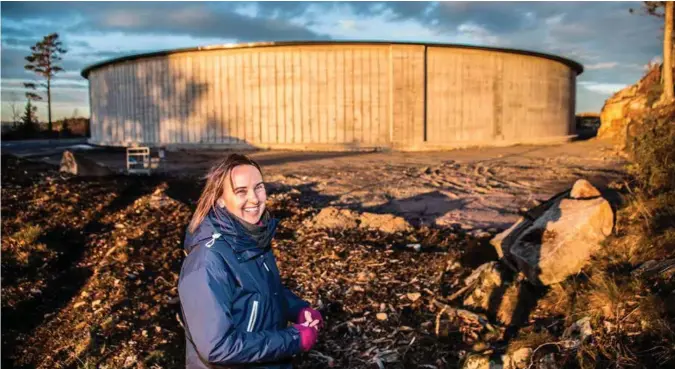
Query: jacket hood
{"type": "Point", "coordinates": [221, 222]}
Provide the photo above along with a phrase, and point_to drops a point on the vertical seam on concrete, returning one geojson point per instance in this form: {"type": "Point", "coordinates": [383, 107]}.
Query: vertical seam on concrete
{"type": "Point", "coordinates": [424, 98]}
{"type": "Point", "coordinates": [391, 96]}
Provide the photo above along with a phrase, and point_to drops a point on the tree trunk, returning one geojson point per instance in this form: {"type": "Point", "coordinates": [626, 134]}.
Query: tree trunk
{"type": "Point", "coordinates": [49, 106]}
{"type": "Point", "coordinates": [668, 53]}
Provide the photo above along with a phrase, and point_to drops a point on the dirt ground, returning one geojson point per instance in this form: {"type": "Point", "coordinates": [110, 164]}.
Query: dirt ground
{"type": "Point", "coordinates": [90, 266]}
{"type": "Point", "coordinates": [475, 188]}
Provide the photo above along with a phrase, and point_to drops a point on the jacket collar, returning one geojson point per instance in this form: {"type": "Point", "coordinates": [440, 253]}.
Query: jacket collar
{"type": "Point", "coordinates": [244, 247]}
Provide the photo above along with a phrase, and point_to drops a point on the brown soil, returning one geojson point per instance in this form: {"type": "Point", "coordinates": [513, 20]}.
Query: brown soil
{"type": "Point", "coordinates": [90, 266]}
{"type": "Point", "coordinates": [99, 286]}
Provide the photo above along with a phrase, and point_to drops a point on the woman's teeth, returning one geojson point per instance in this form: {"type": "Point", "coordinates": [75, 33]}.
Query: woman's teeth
{"type": "Point", "coordinates": [251, 210]}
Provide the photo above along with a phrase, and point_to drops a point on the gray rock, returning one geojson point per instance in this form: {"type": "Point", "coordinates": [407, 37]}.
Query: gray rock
{"type": "Point", "coordinates": [557, 239]}
{"type": "Point", "coordinates": [77, 164]}
{"type": "Point", "coordinates": [583, 189]}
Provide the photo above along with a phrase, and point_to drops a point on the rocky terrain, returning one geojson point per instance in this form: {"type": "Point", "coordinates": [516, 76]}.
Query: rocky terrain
{"type": "Point", "coordinates": [90, 265]}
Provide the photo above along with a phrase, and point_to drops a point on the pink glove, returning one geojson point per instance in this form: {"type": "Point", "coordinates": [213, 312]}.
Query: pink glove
{"type": "Point", "coordinates": [308, 336]}
{"type": "Point", "coordinates": [316, 315]}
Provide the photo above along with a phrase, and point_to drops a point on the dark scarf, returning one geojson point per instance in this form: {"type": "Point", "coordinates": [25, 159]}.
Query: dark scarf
{"type": "Point", "coordinates": [260, 233]}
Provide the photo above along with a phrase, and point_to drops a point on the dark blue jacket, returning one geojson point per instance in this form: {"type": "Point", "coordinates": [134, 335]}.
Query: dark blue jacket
{"type": "Point", "coordinates": [235, 308]}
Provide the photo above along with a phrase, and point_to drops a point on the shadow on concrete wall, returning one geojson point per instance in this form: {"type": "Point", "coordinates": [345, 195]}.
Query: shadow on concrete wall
{"type": "Point", "coordinates": [139, 109]}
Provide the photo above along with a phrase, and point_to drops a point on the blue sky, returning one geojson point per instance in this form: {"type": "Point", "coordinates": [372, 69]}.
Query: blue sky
{"type": "Point", "coordinates": [612, 44]}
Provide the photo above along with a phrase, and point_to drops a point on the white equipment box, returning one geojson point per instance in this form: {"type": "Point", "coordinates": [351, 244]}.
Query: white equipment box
{"type": "Point", "coordinates": [140, 161]}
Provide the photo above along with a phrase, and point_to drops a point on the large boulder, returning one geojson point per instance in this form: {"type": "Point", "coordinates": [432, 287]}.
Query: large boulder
{"type": "Point", "coordinates": [75, 163]}
{"type": "Point", "coordinates": [558, 239]}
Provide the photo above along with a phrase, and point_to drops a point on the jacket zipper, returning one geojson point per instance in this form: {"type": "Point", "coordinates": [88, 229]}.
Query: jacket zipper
{"type": "Point", "coordinates": [254, 315]}
{"type": "Point", "coordinates": [265, 265]}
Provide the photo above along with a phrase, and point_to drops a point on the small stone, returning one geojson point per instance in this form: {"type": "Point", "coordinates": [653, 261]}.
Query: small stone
{"type": "Point", "coordinates": [78, 304]}
{"type": "Point", "coordinates": [381, 316]}
{"type": "Point", "coordinates": [480, 346]}
{"type": "Point", "coordinates": [357, 289]}
{"type": "Point", "coordinates": [517, 359]}
{"type": "Point", "coordinates": [414, 296]}
{"type": "Point", "coordinates": [95, 303]}
{"type": "Point", "coordinates": [583, 189]}
{"type": "Point", "coordinates": [415, 246]}
{"type": "Point", "coordinates": [477, 361]}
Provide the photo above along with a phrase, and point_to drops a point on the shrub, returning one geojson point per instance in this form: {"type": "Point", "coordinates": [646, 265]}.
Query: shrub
{"type": "Point", "coordinates": [652, 150]}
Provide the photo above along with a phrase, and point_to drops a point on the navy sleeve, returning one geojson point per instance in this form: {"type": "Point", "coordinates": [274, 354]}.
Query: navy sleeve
{"type": "Point", "coordinates": [206, 297]}
{"type": "Point", "coordinates": [294, 303]}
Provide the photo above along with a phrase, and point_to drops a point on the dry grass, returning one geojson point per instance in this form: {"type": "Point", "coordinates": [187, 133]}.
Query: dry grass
{"type": "Point", "coordinates": [28, 234]}
{"type": "Point", "coordinates": [21, 247]}
{"type": "Point", "coordinates": [559, 300]}
{"type": "Point", "coordinates": [531, 339]}
{"type": "Point", "coordinates": [605, 298]}
{"type": "Point", "coordinates": [652, 150]}
{"type": "Point", "coordinates": [653, 317]}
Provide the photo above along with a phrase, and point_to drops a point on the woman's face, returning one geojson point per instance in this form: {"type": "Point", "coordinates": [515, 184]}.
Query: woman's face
{"type": "Point", "coordinates": [245, 194]}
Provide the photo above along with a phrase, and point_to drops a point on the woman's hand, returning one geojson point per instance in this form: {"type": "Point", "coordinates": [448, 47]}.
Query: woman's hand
{"type": "Point", "coordinates": [310, 318]}
{"type": "Point", "coordinates": [308, 336]}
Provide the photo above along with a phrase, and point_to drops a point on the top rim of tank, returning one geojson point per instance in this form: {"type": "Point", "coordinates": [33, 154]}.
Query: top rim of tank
{"type": "Point", "coordinates": [577, 67]}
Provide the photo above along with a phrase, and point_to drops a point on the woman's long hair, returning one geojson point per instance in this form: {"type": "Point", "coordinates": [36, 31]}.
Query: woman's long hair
{"type": "Point", "coordinates": [215, 186]}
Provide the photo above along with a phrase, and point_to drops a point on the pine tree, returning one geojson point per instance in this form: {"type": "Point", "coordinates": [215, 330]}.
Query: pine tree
{"type": "Point", "coordinates": [44, 62]}
{"type": "Point", "coordinates": [29, 122]}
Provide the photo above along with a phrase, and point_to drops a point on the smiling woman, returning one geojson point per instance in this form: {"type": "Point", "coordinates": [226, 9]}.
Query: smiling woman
{"type": "Point", "coordinates": [235, 307]}
{"type": "Point", "coordinates": [333, 96]}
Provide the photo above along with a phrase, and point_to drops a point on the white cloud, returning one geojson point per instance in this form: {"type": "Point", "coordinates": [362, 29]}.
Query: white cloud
{"type": "Point", "coordinates": [347, 24]}
{"type": "Point", "coordinates": [477, 34]}
{"type": "Point", "coordinates": [248, 9]}
{"type": "Point", "coordinates": [602, 88]}
{"type": "Point", "coordinates": [122, 19]}
{"type": "Point", "coordinates": [605, 65]}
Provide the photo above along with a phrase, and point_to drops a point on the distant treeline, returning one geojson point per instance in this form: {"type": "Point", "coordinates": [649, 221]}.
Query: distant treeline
{"type": "Point", "coordinates": [62, 128]}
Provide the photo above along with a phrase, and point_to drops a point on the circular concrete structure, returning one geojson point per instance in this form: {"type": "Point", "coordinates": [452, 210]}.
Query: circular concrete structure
{"type": "Point", "coordinates": [333, 96]}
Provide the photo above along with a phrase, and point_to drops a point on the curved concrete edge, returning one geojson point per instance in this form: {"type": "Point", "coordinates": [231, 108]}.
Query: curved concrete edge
{"type": "Point", "coordinates": [354, 147]}
{"type": "Point", "coordinates": [574, 65]}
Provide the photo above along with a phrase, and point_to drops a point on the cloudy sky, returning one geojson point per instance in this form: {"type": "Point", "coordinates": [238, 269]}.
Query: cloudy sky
{"type": "Point", "coordinates": [612, 44]}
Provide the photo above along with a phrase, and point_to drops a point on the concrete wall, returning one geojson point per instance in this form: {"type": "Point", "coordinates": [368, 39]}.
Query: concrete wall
{"type": "Point", "coordinates": [332, 97]}
{"type": "Point", "coordinates": [483, 97]}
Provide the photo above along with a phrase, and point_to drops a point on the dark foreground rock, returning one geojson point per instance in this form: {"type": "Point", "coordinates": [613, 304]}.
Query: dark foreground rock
{"type": "Point", "coordinates": [77, 164]}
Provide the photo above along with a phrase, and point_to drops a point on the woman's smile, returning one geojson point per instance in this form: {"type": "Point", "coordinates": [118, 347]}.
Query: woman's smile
{"type": "Point", "coordinates": [245, 197]}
